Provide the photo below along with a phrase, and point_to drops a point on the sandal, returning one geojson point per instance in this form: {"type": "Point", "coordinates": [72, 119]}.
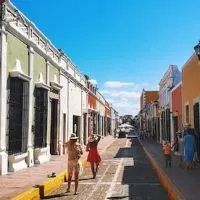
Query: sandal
{"type": "Point", "coordinates": [76, 193]}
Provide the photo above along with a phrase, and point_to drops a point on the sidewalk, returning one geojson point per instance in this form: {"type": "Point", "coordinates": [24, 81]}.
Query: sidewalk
{"type": "Point", "coordinates": [187, 183]}
{"type": "Point", "coordinates": [18, 182]}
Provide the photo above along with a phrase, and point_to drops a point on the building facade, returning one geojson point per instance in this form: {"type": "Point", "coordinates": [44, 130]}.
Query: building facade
{"type": "Point", "coordinates": [176, 109]}
{"type": "Point", "coordinates": [146, 99]}
{"type": "Point", "coordinates": [43, 96]}
{"type": "Point", "coordinates": [171, 78]}
{"type": "Point", "coordinates": [114, 121]}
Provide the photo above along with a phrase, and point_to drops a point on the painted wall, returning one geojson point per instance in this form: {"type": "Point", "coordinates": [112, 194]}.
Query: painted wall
{"type": "Point", "coordinates": [177, 103]}
{"type": "Point", "coordinates": [148, 97]}
{"type": "Point", "coordinates": [39, 66]}
{"type": "Point", "coordinates": [74, 105]}
{"type": "Point", "coordinates": [190, 84]}
{"type": "Point", "coordinates": [171, 78]}
{"type": "Point", "coordinates": [53, 71]}
{"type": "Point", "coordinates": [17, 50]}
{"type": "Point", "coordinates": [151, 96]}
{"type": "Point", "coordinates": [64, 105]}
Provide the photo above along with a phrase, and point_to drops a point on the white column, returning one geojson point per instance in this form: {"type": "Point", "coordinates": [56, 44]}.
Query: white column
{"type": "Point", "coordinates": [97, 123]}
{"type": "Point", "coordinates": [103, 126]}
{"type": "Point", "coordinates": [100, 125]}
{"type": "Point", "coordinates": [171, 121]}
{"type": "Point", "coordinates": [68, 109]}
{"type": "Point", "coordinates": [60, 125]}
{"type": "Point", "coordinates": [86, 128]}
{"type": "Point", "coordinates": [48, 112]}
{"type": "Point", "coordinates": [81, 119]}
{"type": "Point", "coordinates": [30, 161]}
{"type": "Point", "coordinates": [161, 127]}
{"type": "Point", "coordinates": [3, 99]}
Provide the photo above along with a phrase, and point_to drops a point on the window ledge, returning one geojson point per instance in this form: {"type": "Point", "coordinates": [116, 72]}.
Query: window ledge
{"type": "Point", "coordinates": [17, 74]}
{"type": "Point", "coordinates": [56, 86]}
{"type": "Point", "coordinates": [17, 158]}
{"type": "Point", "coordinates": [42, 85]}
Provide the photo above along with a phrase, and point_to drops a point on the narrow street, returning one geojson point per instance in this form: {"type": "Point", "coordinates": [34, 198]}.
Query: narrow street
{"type": "Point", "coordinates": [125, 173]}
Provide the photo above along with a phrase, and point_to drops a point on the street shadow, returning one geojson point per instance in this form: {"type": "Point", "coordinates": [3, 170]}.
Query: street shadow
{"type": "Point", "coordinates": [140, 177]}
{"type": "Point", "coordinates": [121, 197]}
{"type": "Point", "coordinates": [57, 195]}
{"type": "Point", "coordinates": [124, 152]}
{"type": "Point", "coordinates": [85, 179]}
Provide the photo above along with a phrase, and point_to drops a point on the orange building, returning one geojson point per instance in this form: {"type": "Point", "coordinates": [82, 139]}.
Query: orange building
{"type": "Point", "coordinates": [148, 97]}
{"type": "Point", "coordinates": [191, 91]}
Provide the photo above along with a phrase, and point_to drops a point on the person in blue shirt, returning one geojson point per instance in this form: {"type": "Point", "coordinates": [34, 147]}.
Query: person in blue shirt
{"type": "Point", "coordinates": [189, 147]}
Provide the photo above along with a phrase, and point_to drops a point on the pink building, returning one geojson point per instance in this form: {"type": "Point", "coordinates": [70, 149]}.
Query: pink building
{"type": "Point", "coordinates": [176, 109]}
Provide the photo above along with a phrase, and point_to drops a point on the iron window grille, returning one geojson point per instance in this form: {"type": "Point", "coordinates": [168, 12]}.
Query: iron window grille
{"type": "Point", "coordinates": [17, 116]}
{"type": "Point", "coordinates": [41, 107]}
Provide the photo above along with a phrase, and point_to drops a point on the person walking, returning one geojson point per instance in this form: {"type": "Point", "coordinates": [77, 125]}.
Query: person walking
{"type": "Point", "coordinates": [93, 155]}
{"type": "Point", "coordinates": [189, 147]}
{"type": "Point", "coordinates": [167, 154]}
{"type": "Point", "coordinates": [179, 148]}
{"type": "Point", "coordinates": [74, 153]}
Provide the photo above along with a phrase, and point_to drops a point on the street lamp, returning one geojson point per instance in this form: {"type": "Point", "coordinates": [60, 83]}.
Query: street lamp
{"type": "Point", "coordinates": [197, 50]}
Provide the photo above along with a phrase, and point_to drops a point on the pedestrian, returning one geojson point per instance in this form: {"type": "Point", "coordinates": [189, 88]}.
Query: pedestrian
{"type": "Point", "coordinates": [196, 154]}
{"type": "Point", "coordinates": [167, 154]}
{"type": "Point", "coordinates": [180, 148]}
{"type": "Point", "coordinates": [74, 153]}
{"type": "Point", "coordinates": [93, 155]}
{"type": "Point", "coordinates": [189, 147]}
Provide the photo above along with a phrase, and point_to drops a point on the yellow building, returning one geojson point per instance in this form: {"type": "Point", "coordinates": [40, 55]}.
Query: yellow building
{"type": "Point", "coordinates": [191, 91]}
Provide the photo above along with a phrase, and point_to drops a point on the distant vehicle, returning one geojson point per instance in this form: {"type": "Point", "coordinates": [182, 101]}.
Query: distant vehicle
{"type": "Point", "coordinates": [131, 135]}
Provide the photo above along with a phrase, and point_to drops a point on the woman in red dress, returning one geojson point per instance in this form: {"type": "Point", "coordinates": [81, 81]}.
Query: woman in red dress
{"type": "Point", "coordinates": [93, 155]}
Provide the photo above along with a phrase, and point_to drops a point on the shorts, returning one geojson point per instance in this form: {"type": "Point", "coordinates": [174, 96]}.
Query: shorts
{"type": "Point", "coordinates": [73, 166]}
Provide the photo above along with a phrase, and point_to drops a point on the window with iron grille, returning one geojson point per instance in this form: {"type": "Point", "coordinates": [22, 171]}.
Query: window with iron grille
{"type": "Point", "coordinates": [187, 113]}
{"type": "Point", "coordinates": [196, 117]}
{"type": "Point", "coordinates": [168, 134]}
{"type": "Point", "coordinates": [18, 120]}
{"type": "Point", "coordinates": [41, 106]}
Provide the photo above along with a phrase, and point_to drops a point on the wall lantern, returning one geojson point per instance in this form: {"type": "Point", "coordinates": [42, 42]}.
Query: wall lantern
{"type": "Point", "coordinates": [197, 50]}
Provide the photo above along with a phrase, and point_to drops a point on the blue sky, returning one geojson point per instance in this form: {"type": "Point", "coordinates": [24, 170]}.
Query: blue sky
{"type": "Point", "coordinates": [123, 45]}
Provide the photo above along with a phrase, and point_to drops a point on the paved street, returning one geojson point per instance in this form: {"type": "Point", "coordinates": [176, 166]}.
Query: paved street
{"type": "Point", "coordinates": [125, 173]}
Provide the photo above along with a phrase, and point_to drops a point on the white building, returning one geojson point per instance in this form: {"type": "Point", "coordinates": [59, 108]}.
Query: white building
{"type": "Point", "coordinates": [43, 95]}
{"type": "Point", "coordinates": [171, 77]}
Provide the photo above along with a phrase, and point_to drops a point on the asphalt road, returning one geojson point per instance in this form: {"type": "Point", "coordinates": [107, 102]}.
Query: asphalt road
{"type": "Point", "coordinates": [125, 173]}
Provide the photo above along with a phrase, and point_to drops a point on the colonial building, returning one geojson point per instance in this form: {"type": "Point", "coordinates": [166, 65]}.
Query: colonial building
{"type": "Point", "coordinates": [43, 96]}
{"type": "Point", "coordinates": [114, 121]}
{"type": "Point", "coordinates": [176, 110]}
{"type": "Point", "coordinates": [154, 120]}
{"type": "Point", "coordinates": [171, 78]}
{"type": "Point", "coordinates": [146, 98]}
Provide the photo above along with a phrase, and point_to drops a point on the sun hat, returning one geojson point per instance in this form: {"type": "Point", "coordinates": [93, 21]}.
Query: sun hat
{"type": "Point", "coordinates": [73, 136]}
{"type": "Point", "coordinates": [188, 125]}
{"type": "Point", "coordinates": [92, 137]}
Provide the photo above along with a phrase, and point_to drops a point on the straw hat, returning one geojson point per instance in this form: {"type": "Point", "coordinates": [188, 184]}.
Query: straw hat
{"type": "Point", "coordinates": [187, 125]}
{"type": "Point", "coordinates": [73, 136]}
{"type": "Point", "coordinates": [92, 138]}
{"type": "Point", "coordinates": [179, 132]}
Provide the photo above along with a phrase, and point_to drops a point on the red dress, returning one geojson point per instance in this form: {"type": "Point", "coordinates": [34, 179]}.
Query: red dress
{"type": "Point", "coordinates": [93, 155]}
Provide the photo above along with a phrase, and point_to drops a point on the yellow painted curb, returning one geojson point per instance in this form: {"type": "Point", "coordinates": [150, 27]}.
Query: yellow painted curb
{"type": "Point", "coordinates": [51, 184]}
{"type": "Point", "coordinates": [31, 194]}
{"type": "Point", "coordinates": [173, 192]}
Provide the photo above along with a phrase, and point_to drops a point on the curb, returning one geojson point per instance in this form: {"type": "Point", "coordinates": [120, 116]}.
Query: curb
{"type": "Point", "coordinates": [31, 194]}
{"type": "Point", "coordinates": [173, 192]}
{"type": "Point", "coordinates": [50, 185]}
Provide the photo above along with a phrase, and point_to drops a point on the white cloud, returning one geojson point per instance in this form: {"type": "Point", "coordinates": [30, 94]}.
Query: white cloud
{"type": "Point", "coordinates": [94, 82]}
{"type": "Point", "coordinates": [117, 84]}
{"type": "Point", "coordinates": [126, 100]}
{"type": "Point", "coordinates": [124, 94]}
